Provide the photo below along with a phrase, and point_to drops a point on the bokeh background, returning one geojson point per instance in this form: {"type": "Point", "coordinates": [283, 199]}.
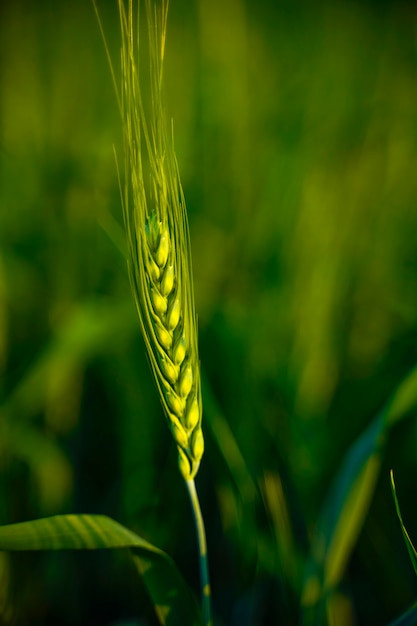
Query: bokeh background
{"type": "Point", "coordinates": [296, 136]}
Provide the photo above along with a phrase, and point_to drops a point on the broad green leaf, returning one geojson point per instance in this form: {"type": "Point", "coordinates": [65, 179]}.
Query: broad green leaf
{"type": "Point", "coordinates": [409, 618]}
{"type": "Point", "coordinates": [70, 532]}
{"type": "Point", "coordinates": [410, 547]}
{"type": "Point", "coordinates": [173, 602]}
{"type": "Point", "coordinates": [348, 501]}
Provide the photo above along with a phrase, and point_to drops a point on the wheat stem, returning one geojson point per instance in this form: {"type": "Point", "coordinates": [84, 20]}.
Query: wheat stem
{"type": "Point", "coordinates": [202, 552]}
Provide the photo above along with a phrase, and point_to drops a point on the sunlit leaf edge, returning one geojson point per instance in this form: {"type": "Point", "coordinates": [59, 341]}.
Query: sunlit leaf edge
{"type": "Point", "coordinates": [410, 547]}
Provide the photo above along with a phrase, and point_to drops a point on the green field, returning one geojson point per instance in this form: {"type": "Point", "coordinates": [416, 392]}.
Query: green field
{"type": "Point", "coordinates": [296, 137]}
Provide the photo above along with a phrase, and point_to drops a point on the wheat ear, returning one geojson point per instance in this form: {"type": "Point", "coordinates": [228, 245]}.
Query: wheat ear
{"type": "Point", "coordinates": [158, 238]}
{"type": "Point", "coordinates": [159, 258]}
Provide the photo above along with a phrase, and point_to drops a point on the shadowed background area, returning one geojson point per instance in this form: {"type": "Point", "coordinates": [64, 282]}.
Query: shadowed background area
{"type": "Point", "coordinates": [296, 136]}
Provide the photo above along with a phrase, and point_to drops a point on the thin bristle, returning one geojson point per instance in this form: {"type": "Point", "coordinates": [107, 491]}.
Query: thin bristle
{"type": "Point", "coordinates": [158, 239]}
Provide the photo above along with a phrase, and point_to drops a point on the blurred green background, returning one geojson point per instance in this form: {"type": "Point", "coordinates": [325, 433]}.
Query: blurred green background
{"type": "Point", "coordinates": [296, 136]}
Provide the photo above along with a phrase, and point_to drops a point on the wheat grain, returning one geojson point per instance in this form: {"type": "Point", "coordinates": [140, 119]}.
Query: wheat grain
{"type": "Point", "coordinates": [158, 239]}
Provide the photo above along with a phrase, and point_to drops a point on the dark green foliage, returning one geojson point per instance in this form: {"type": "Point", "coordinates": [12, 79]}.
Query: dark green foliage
{"type": "Point", "coordinates": [296, 135]}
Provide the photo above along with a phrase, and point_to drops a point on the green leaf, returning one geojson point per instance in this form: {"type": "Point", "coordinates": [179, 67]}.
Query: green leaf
{"type": "Point", "coordinates": [341, 519]}
{"type": "Point", "coordinates": [348, 501]}
{"type": "Point", "coordinates": [172, 599]}
{"type": "Point", "coordinates": [173, 602]}
{"type": "Point", "coordinates": [410, 547]}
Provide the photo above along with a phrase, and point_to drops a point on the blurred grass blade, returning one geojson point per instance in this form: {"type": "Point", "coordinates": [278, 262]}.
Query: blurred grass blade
{"type": "Point", "coordinates": [93, 327]}
{"type": "Point", "coordinates": [277, 507]}
{"type": "Point", "coordinates": [227, 444]}
{"type": "Point", "coordinates": [173, 602]}
{"type": "Point", "coordinates": [348, 501]}
{"type": "Point", "coordinates": [410, 547]}
{"type": "Point", "coordinates": [341, 519]}
{"type": "Point", "coordinates": [404, 400]}
{"type": "Point", "coordinates": [409, 618]}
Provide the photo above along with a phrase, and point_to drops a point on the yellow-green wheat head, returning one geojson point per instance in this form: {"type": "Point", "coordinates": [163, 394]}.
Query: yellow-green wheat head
{"type": "Point", "coordinates": [158, 236]}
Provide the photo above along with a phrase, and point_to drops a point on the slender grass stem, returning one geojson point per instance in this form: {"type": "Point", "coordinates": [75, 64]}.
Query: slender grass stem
{"type": "Point", "coordinates": [202, 551]}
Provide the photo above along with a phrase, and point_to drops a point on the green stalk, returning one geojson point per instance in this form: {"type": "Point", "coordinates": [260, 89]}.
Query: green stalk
{"type": "Point", "coordinates": [202, 552]}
